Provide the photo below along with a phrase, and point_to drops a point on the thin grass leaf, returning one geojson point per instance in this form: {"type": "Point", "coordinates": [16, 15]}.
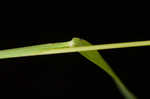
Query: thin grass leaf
{"type": "Point", "coordinates": [96, 58]}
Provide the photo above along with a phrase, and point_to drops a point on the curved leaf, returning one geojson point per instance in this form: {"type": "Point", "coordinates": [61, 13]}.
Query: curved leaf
{"type": "Point", "coordinates": [96, 58]}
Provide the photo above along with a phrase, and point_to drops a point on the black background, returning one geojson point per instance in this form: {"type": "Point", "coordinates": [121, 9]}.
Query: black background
{"type": "Point", "coordinates": [71, 75]}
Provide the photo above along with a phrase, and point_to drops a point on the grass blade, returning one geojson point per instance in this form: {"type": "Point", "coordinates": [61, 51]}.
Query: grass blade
{"type": "Point", "coordinates": [96, 58]}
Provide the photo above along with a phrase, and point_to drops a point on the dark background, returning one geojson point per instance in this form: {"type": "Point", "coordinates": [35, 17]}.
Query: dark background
{"type": "Point", "coordinates": [71, 75]}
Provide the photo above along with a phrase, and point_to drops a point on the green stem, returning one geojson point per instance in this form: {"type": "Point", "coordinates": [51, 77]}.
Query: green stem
{"type": "Point", "coordinates": [64, 47]}
{"type": "Point", "coordinates": [98, 47]}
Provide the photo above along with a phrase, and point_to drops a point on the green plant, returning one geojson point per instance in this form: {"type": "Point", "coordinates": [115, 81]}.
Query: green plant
{"type": "Point", "coordinates": [86, 49]}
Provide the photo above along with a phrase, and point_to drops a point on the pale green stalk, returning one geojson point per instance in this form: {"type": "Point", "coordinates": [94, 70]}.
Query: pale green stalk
{"type": "Point", "coordinates": [65, 47]}
{"type": "Point", "coordinates": [32, 50]}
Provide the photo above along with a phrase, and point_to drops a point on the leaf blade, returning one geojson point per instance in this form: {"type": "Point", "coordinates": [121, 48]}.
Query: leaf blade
{"type": "Point", "coordinates": [96, 58]}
